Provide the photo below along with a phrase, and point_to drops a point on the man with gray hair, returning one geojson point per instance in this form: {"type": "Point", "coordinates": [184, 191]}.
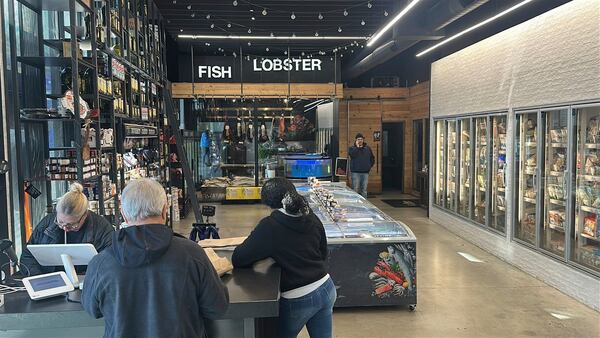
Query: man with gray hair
{"type": "Point", "coordinates": [152, 283]}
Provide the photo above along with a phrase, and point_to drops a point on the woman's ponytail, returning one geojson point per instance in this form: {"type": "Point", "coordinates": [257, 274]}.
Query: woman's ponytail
{"type": "Point", "coordinates": [294, 204]}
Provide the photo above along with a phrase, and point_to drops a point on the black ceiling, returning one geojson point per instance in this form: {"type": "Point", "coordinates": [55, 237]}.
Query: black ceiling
{"type": "Point", "coordinates": [277, 21]}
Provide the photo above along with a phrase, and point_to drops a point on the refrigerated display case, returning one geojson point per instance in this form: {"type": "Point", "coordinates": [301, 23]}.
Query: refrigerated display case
{"type": "Point", "coordinates": [439, 180]}
{"type": "Point", "coordinates": [556, 158]}
{"type": "Point", "coordinates": [498, 199]}
{"type": "Point", "coordinates": [585, 235]}
{"type": "Point", "coordinates": [465, 173]}
{"type": "Point", "coordinates": [481, 170]}
{"type": "Point", "coordinates": [526, 160]}
{"type": "Point", "coordinates": [372, 257]}
{"type": "Point", "coordinates": [451, 166]}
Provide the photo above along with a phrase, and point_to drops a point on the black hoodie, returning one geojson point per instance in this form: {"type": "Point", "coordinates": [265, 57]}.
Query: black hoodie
{"type": "Point", "coordinates": [297, 244]}
{"type": "Point", "coordinates": [153, 284]}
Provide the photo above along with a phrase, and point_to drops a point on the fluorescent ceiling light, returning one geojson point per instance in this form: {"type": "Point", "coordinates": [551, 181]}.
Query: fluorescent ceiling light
{"type": "Point", "coordinates": [267, 37]}
{"type": "Point", "coordinates": [473, 27]}
{"type": "Point", "coordinates": [392, 22]}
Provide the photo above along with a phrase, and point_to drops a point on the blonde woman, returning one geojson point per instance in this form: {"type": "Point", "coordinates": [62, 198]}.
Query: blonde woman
{"type": "Point", "coordinates": [71, 223]}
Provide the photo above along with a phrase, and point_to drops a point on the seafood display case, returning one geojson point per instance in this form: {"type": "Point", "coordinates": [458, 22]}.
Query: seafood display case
{"type": "Point", "coordinates": [372, 257]}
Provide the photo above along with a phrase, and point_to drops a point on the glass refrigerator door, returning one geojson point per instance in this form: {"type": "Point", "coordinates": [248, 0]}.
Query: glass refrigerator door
{"type": "Point", "coordinates": [586, 235]}
{"type": "Point", "coordinates": [464, 198]}
{"type": "Point", "coordinates": [526, 160]}
{"type": "Point", "coordinates": [481, 170]}
{"type": "Point", "coordinates": [439, 163]}
{"type": "Point", "coordinates": [555, 181]}
{"type": "Point", "coordinates": [451, 171]}
{"type": "Point", "coordinates": [498, 202]}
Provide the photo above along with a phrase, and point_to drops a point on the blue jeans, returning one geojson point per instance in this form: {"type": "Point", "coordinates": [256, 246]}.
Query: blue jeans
{"type": "Point", "coordinates": [359, 183]}
{"type": "Point", "coordinates": [314, 310]}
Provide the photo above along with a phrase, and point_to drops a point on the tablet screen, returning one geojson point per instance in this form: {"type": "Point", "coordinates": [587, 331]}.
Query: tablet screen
{"type": "Point", "coordinates": [47, 282]}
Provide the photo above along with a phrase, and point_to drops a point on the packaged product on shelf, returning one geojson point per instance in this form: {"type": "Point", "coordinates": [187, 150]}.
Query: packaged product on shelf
{"type": "Point", "coordinates": [590, 255]}
{"type": "Point", "coordinates": [557, 218]}
{"type": "Point", "coordinates": [589, 225]}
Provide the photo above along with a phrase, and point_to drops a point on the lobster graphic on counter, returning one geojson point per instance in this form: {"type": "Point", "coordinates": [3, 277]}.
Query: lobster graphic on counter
{"type": "Point", "coordinates": [394, 273]}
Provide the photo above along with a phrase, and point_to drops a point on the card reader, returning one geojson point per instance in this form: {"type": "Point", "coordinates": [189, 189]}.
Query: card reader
{"type": "Point", "coordinates": [47, 285]}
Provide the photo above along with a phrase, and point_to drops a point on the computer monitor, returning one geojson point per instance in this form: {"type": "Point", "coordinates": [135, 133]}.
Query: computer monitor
{"type": "Point", "coordinates": [67, 255]}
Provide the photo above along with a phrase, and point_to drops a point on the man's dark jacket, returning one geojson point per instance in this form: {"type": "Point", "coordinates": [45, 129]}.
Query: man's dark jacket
{"type": "Point", "coordinates": [151, 283]}
{"type": "Point", "coordinates": [361, 159]}
{"type": "Point", "coordinates": [96, 230]}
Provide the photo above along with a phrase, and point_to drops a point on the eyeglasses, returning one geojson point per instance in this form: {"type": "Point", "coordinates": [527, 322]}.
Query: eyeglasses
{"type": "Point", "coordinates": [69, 226]}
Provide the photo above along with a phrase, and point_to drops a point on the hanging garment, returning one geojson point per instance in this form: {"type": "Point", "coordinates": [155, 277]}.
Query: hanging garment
{"type": "Point", "coordinates": [250, 132]}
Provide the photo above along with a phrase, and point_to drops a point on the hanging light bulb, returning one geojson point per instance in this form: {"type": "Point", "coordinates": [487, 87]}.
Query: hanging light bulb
{"type": "Point", "coordinates": [174, 2]}
{"type": "Point", "coordinates": [316, 33]}
{"type": "Point", "coordinates": [212, 25]}
{"type": "Point", "coordinates": [293, 16]}
{"type": "Point", "coordinates": [253, 18]}
{"type": "Point", "coordinates": [331, 58]}
{"type": "Point", "coordinates": [249, 43]}
{"type": "Point", "coordinates": [264, 11]}
{"type": "Point", "coordinates": [320, 16]}
{"type": "Point", "coordinates": [249, 31]}
{"type": "Point", "coordinates": [385, 13]}
{"type": "Point", "coordinates": [345, 12]}
{"type": "Point", "coordinates": [267, 49]}
{"type": "Point", "coordinates": [234, 54]}
{"type": "Point", "coordinates": [207, 16]}
{"type": "Point", "coordinates": [302, 53]}
{"type": "Point", "coordinates": [369, 5]}
{"type": "Point", "coordinates": [235, 3]}
{"type": "Point", "coordinates": [293, 35]}
{"type": "Point", "coordinates": [193, 15]}
{"type": "Point", "coordinates": [362, 22]}
{"type": "Point", "coordinates": [340, 29]}
{"type": "Point", "coordinates": [189, 7]}
{"type": "Point", "coordinates": [285, 52]}
{"type": "Point", "coordinates": [181, 30]}
{"type": "Point", "coordinates": [272, 35]}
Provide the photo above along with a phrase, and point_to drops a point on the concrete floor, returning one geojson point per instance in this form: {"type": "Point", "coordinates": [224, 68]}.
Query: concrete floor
{"type": "Point", "coordinates": [456, 297]}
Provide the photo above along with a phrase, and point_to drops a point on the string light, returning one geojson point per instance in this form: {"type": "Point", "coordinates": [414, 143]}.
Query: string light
{"type": "Point", "coordinates": [293, 16]}
{"type": "Point", "coordinates": [249, 31]}
{"type": "Point", "coordinates": [316, 33]}
{"type": "Point", "coordinates": [267, 49]}
{"type": "Point", "coordinates": [253, 18]}
{"type": "Point", "coordinates": [249, 43]}
{"type": "Point", "coordinates": [193, 15]}
{"type": "Point", "coordinates": [320, 16]}
{"type": "Point", "coordinates": [229, 25]}
{"type": "Point", "coordinates": [189, 7]}
{"type": "Point", "coordinates": [362, 22]}
{"type": "Point", "coordinates": [207, 16]}
{"type": "Point", "coordinates": [345, 12]}
{"type": "Point", "coordinates": [235, 3]}
{"type": "Point", "coordinates": [385, 13]}
{"type": "Point", "coordinates": [212, 25]}
{"type": "Point", "coordinates": [264, 11]}
{"type": "Point", "coordinates": [174, 2]}
{"type": "Point", "coordinates": [181, 30]}
{"type": "Point", "coordinates": [272, 35]}
{"type": "Point", "coordinates": [369, 5]}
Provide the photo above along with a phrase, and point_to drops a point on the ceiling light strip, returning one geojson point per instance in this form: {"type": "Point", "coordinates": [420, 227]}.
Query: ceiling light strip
{"type": "Point", "coordinates": [474, 27]}
{"type": "Point", "coordinates": [392, 22]}
{"type": "Point", "coordinates": [267, 37]}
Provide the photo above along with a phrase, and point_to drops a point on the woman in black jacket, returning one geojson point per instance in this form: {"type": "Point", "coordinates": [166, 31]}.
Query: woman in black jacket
{"type": "Point", "coordinates": [295, 238]}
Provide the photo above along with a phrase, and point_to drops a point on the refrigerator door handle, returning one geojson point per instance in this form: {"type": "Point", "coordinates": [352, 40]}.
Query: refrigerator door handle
{"type": "Point", "coordinates": [535, 184]}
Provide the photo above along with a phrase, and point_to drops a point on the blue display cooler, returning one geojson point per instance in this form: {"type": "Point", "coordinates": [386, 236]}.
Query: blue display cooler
{"type": "Point", "coordinates": [303, 166]}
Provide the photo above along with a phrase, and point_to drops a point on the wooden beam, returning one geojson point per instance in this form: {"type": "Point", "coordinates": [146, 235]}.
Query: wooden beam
{"type": "Point", "coordinates": [183, 90]}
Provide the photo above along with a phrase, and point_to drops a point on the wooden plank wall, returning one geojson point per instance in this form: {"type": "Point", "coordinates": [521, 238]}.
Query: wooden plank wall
{"type": "Point", "coordinates": [369, 108]}
{"type": "Point", "coordinates": [183, 90]}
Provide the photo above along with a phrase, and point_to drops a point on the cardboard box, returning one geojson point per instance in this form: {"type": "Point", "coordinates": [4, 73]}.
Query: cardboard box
{"type": "Point", "coordinates": [242, 193]}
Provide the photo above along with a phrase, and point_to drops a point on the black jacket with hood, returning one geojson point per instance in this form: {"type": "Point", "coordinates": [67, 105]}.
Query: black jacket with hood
{"type": "Point", "coordinates": [361, 159]}
{"type": "Point", "coordinates": [297, 244]}
{"type": "Point", "coordinates": [153, 284]}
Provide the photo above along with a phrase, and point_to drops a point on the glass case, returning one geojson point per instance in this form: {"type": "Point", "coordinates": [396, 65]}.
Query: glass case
{"type": "Point", "coordinates": [481, 170]}
{"type": "Point", "coordinates": [465, 173]}
{"type": "Point", "coordinates": [498, 200]}
{"type": "Point", "coordinates": [585, 235]}
{"type": "Point", "coordinates": [438, 191]}
{"type": "Point", "coordinates": [451, 166]}
{"type": "Point", "coordinates": [526, 159]}
{"type": "Point", "coordinates": [552, 231]}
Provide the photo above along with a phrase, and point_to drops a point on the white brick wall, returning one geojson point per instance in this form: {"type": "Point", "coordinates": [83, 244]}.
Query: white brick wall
{"type": "Point", "coordinates": [551, 59]}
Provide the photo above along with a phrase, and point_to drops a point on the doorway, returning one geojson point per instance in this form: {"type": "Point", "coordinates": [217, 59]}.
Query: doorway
{"type": "Point", "coordinates": [392, 177]}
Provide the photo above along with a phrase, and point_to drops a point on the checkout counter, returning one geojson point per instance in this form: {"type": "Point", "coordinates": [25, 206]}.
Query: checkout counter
{"type": "Point", "coordinates": [253, 302]}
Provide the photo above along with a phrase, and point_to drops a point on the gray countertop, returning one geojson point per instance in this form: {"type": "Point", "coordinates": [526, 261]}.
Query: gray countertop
{"type": "Point", "coordinates": [253, 293]}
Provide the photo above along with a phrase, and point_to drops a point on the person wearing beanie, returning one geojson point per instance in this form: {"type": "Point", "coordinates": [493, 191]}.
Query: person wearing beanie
{"type": "Point", "coordinates": [295, 238]}
{"type": "Point", "coordinates": [361, 162]}
{"type": "Point", "coordinates": [71, 223]}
